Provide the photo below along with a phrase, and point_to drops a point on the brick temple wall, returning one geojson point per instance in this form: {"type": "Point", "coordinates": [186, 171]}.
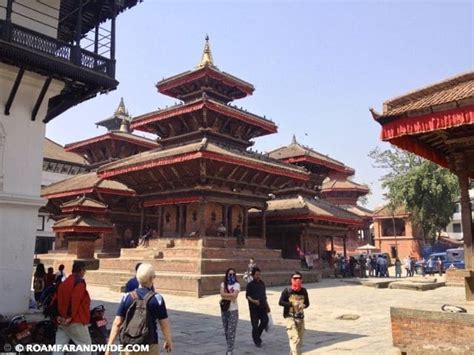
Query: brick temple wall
{"type": "Point", "coordinates": [427, 332]}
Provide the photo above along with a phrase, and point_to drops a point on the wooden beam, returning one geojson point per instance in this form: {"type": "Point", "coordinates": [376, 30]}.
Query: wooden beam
{"type": "Point", "coordinates": [40, 99]}
{"type": "Point", "coordinates": [233, 171]}
{"type": "Point", "coordinates": [13, 91]}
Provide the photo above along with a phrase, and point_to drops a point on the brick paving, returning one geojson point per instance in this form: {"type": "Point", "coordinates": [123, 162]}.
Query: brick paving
{"type": "Point", "coordinates": [197, 327]}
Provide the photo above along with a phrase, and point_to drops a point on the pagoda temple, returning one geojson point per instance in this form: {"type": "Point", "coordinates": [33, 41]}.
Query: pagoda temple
{"type": "Point", "coordinates": [201, 182]}
{"type": "Point", "coordinates": [298, 218]}
{"type": "Point", "coordinates": [124, 211]}
{"type": "Point", "coordinates": [202, 175]}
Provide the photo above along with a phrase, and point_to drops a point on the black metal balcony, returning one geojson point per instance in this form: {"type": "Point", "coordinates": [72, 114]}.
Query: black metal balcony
{"type": "Point", "coordinates": [35, 41]}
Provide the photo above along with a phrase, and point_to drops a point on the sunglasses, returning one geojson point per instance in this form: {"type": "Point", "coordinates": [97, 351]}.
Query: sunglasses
{"type": "Point", "coordinates": [231, 274]}
{"type": "Point", "coordinates": [296, 278]}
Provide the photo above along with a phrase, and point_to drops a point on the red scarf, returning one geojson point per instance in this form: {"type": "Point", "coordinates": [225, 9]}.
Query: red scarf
{"type": "Point", "coordinates": [296, 284]}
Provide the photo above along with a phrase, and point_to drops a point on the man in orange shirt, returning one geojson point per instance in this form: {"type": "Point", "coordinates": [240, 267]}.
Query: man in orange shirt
{"type": "Point", "coordinates": [73, 308]}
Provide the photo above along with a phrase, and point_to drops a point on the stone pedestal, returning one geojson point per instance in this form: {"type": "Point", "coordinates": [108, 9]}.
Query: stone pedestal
{"type": "Point", "coordinates": [82, 246]}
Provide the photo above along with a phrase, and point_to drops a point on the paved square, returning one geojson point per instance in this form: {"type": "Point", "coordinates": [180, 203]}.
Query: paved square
{"type": "Point", "coordinates": [197, 327]}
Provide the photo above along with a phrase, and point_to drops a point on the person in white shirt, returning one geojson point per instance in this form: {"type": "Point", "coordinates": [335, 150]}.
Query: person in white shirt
{"type": "Point", "coordinates": [230, 289]}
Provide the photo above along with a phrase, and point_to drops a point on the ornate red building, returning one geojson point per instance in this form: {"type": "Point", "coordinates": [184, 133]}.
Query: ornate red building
{"type": "Point", "coordinates": [299, 218]}
{"type": "Point", "coordinates": [124, 212]}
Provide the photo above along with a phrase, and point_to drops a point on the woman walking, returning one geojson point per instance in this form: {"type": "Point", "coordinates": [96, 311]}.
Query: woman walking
{"type": "Point", "coordinates": [39, 282]}
{"type": "Point", "coordinates": [230, 289]}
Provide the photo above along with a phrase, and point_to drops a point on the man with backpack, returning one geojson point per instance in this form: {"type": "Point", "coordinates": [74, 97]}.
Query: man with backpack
{"type": "Point", "coordinates": [138, 313]}
{"type": "Point", "coordinates": [73, 304]}
{"type": "Point", "coordinates": [294, 300]}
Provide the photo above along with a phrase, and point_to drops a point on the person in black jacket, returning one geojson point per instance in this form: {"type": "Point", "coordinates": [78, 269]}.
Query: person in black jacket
{"type": "Point", "coordinates": [257, 296]}
{"type": "Point", "coordinates": [294, 300]}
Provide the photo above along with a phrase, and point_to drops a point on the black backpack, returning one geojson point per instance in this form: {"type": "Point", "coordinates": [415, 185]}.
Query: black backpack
{"type": "Point", "coordinates": [136, 326]}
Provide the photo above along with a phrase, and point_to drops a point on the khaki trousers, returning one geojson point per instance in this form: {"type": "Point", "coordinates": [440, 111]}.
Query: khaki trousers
{"type": "Point", "coordinates": [295, 331]}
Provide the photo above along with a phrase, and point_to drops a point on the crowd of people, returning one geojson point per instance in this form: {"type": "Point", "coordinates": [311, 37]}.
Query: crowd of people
{"type": "Point", "coordinates": [142, 310]}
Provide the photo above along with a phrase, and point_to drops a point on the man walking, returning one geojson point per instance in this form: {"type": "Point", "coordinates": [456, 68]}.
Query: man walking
{"type": "Point", "coordinates": [257, 296]}
{"type": "Point", "coordinates": [294, 300]}
{"type": "Point", "coordinates": [73, 308]}
{"type": "Point", "coordinates": [133, 323]}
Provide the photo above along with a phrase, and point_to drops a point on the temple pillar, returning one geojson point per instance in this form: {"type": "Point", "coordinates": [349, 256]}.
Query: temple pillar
{"type": "Point", "coordinates": [264, 223]}
{"type": "Point", "coordinates": [344, 245]}
{"type": "Point", "coordinates": [225, 219]}
{"type": "Point", "coordinates": [460, 166]}
{"type": "Point", "coordinates": [142, 219]}
{"type": "Point", "coordinates": [246, 223]}
{"type": "Point", "coordinates": [180, 220]}
{"type": "Point", "coordinates": [202, 219]}
{"type": "Point", "coordinates": [159, 226]}
{"type": "Point", "coordinates": [332, 244]}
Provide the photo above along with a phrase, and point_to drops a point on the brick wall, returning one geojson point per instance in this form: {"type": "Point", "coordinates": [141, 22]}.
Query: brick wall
{"type": "Point", "coordinates": [212, 209]}
{"type": "Point", "coordinates": [169, 221]}
{"type": "Point", "coordinates": [192, 212]}
{"type": "Point", "coordinates": [455, 277]}
{"type": "Point", "coordinates": [427, 332]}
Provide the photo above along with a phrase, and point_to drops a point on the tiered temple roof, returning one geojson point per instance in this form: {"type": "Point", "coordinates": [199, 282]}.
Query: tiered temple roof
{"type": "Point", "coordinates": [85, 184]}
{"type": "Point", "coordinates": [203, 142]}
{"type": "Point", "coordinates": [117, 143]}
{"type": "Point", "coordinates": [310, 210]}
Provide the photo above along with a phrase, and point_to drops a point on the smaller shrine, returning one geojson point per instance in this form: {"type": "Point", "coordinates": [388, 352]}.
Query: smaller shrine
{"type": "Point", "coordinates": [82, 226]}
{"type": "Point", "coordinates": [298, 219]}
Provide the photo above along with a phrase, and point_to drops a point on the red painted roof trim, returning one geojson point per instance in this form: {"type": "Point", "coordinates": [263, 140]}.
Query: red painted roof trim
{"type": "Point", "coordinates": [427, 123]}
{"type": "Point", "coordinates": [205, 155]}
{"type": "Point", "coordinates": [79, 229]}
{"type": "Point", "coordinates": [200, 73]}
{"type": "Point", "coordinates": [100, 210]}
{"type": "Point", "coordinates": [305, 158]}
{"type": "Point", "coordinates": [88, 191]}
{"type": "Point", "coordinates": [141, 122]}
{"type": "Point", "coordinates": [312, 217]}
{"type": "Point", "coordinates": [275, 170]}
{"type": "Point", "coordinates": [171, 201]}
{"type": "Point", "coordinates": [108, 136]}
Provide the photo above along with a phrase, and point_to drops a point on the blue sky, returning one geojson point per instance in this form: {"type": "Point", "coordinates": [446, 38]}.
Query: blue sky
{"type": "Point", "coordinates": [317, 66]}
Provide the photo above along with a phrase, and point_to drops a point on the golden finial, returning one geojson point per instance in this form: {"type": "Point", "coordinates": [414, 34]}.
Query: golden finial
{"type": "Point", "coordinates": [206, 59]}
{"type": "Point", "coordinates": [121, 108]}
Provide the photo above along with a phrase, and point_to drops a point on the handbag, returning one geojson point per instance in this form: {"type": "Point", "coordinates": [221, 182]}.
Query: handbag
{"type": "Point", "coordinates": [270, 325]}
{"type": "Point", "coordinates": [225, 304]}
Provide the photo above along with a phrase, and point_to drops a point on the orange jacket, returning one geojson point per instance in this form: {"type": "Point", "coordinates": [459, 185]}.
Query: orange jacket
{"type": "Point", "coordinates": [74, 300]}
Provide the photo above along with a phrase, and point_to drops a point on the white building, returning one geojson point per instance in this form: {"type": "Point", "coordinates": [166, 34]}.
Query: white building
{"type": "Point", "coordinates": [454, 228]}
{"type": "Point", "coordinates": [44, 70]}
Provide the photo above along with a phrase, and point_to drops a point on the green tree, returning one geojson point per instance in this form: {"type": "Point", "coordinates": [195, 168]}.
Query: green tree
{"type": "Point", "coordinates": [427, 190]}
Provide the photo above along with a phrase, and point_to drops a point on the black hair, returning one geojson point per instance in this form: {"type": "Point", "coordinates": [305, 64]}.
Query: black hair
{"type": "Point", "coordinates": [137, 266]}
{"type": "Point", "coordinates": [61, 267]}
{"type": "Point", "coordinates": [296, 273]}
{"type": "Point", "coordinates": [78, 266]}
{"type": "Point", "coordinates": [40, 271]}
{"type": "Point", "coordinates": [255, 269]}
{"type": "Point", "coordinates": [225, 277]}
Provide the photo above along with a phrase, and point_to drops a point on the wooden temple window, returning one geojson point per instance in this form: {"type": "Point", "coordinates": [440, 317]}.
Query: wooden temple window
{"type": "Point", "coordinates": [167, 218]}
{"type": "Point", "coordinates": [195, 216]}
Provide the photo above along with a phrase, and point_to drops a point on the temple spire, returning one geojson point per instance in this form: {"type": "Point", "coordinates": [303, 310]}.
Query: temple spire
{"type": "Point", "coordinates": [293, 140]}
{"type": "Point", "coordinates": [206, 59]}
{"type": "Point", "coordinates": [121, 108]}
